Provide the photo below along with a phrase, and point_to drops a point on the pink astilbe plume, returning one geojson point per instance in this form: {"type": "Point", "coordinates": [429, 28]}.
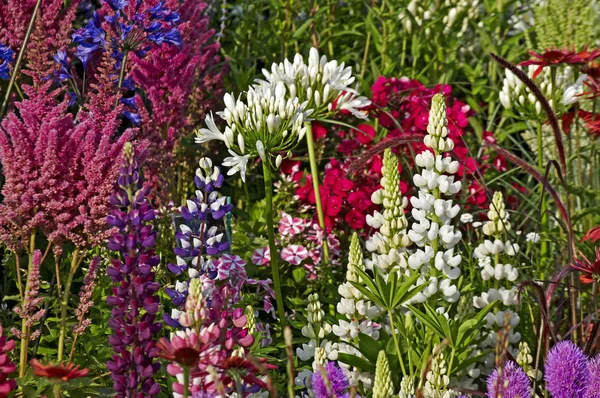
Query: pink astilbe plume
{"type": "Point", "coordinates": [52, 31]}
{"type": "Point", "coordinates": [59, 173]}
{"type": "Point", "coordinates": [172, 78]}
{"type": "Point", "coordinates": [85, 297]}
{"type": "Point", "coordinates": [29, 309]}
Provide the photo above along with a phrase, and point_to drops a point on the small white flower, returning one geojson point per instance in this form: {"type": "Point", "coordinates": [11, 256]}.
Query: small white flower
{"type": "Point", "coordinates": [236, 163]}
{"type": "Point", "coordinates": [532, 237]}
{"type": "Point", "coordinates": [466, 218]}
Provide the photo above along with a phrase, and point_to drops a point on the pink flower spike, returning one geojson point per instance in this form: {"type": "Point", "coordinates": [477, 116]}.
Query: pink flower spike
{"type": "Point", "coordinates": [294, 254]}
{"type": "Point", "coordinates": [261, 256]}
{"type": "Point", "coordinates": [290, 226]}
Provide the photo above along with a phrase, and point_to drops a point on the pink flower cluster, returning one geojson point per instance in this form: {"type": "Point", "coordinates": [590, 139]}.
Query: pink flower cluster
{"type": "Point", "coordinates": [59, 173]}
{"type": "Point", "coordinates": [29, 310]}
{"type": "Point", "coordinates": [85, 298]}
{"type": "Point", "coordinates": [301, 243]}
{"type": "Point", "coordinates": [178, 82]}
{"type": "Point", "coordinates": [214, 327]}
{"type": "Point", "coordinates": [6, 366]}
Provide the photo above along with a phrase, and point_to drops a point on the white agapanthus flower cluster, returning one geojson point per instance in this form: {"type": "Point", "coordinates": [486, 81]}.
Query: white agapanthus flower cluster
{"type": "Point", "coordinates": [320, 83]}
{"type": "Point", "coordinates": [269, 121]}
{"type": "Point", "coordinates": [498, 275]}
{"type": "Point", "coordinates": [388, 244]}
{"type": "Point", "coordinates": [433, 211]}
{"type": "Point", "coordinates": [422, 14]}
{"type": "Point", "coordinates": [561, 92]}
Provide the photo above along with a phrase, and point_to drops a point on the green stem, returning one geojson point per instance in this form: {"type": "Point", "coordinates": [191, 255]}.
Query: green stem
{"type": "Point", "coordinates": [272, 246]}
{"type": "Point", "coordinates": [24, 328]}
{"type": "Point", "coordinates": [314, 171]}
{"type": "Point", "coordinates": [64, 305]}
{"type": "Point", "coordinates": [57, 390]}
{"type": "Point", "coordinates": [15, 71]}
{"type": "Point", "coordinates": [186, 382]}
{"type": "Point", "coordinates": [122, 75]}
{"type": "Point", "coordinates": [396, 344]}
{"type": "Point", "coordinates": [544, 218]}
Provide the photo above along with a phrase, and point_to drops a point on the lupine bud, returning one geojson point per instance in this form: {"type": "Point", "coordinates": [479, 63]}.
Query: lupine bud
{"type": "Point", "coordinates": [383, 387]}
{"type": "Point", "coordinates": [251, 319]}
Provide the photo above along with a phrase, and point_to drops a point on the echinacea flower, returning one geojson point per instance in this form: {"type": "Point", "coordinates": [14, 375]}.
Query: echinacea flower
{"type": "Point", "coordinates": [566, 372]}
{"type": "Point", "coordinates": [59, 372]}
{"type": "Point", "coordinates": [547, 58]}
{"type": "Point", "coordinates": [183, 348]}
{"type": "Point", "coordinates": [508, 382]}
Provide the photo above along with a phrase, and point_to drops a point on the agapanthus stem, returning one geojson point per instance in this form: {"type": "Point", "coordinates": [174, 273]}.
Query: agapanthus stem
{"type": "Point", "coordinates": [64, 305]}
{"type": "Point", "coordinates": [15, 71]}
{"type": "Point", "coordinates": [314, 171]}
{"type": "Point", "coordinates": [272, 246]}
{"type": "Point", "coordinates": [121, 75]}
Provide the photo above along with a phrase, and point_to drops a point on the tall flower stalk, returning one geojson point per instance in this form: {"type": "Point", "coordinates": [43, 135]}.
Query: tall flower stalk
{"type": "Point", "coordinates": [325, 87]}
{"type": "Point", "coordinates": [270, 122]}
{"type": "Point", "coordinates": [134, 299]}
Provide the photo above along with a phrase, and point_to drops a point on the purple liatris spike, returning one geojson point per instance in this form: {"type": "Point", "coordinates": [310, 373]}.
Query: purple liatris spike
{"type": "Point", "coordinates": [134, 295]}
{"type": "Point", "coordinates": [330, 380]}
{"type": "Point", "coordinates": [510, 381]}
{"type": "Point", "coordinates": [566, 372]}
{"type": "Point", "coordinates": [593, 385]}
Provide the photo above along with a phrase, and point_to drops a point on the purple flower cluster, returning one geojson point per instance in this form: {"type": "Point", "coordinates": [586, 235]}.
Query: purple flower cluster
{"type": "Point", "coordinates": [566, 371]}
{"type": "Point", "coordinates": [202, 231]}
{"type": "Point", "coordinates": [6, 57]}
{"type": "Point", "coordinates": [131, 30]}
{"type": "Point", "coordinates": [335, 383]}
{"type": "Point", "coordinates": [134, 297]}
{"type": "Point", "coordinates": [593, 385]}
{"type": "Point", "coordinates": [509, 382]}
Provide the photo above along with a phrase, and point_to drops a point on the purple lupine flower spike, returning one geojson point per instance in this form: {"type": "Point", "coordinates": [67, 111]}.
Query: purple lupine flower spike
{"type": "Point", "coordinates": [593, 385]}
{"type": "Point", "coordinates": [199, 235]}
{"type": "Point", "coordinates": [566, 371]}
{"type": "Point", "coordinates": [134, 297]}
{"type": "Point", "coordinates": [508, 382]}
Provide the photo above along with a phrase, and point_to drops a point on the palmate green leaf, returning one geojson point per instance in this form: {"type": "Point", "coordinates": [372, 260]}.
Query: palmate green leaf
{"type": "Point", "coordinates": [430, 322]}
{"type": "Point", "coordinates": [355, 361]}
{"type": "Point", "coordinates": [403, 294]}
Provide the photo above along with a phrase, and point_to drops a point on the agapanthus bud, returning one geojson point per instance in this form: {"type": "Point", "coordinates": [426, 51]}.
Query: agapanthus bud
{"type": "Point", "coordinates": [383, 387]}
